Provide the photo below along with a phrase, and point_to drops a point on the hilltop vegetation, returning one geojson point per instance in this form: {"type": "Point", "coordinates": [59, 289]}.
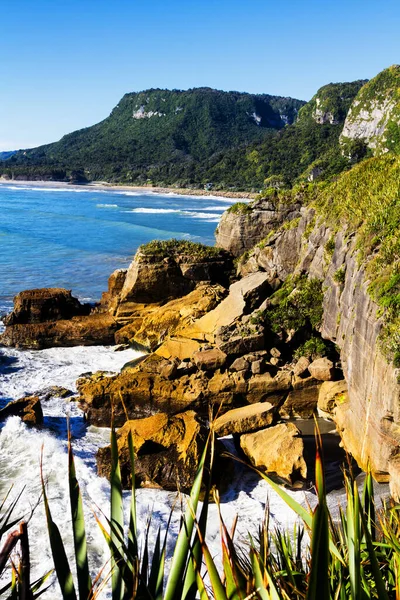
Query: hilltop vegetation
{"type": "Point", "coordinates": [225, 140]}
{"type": "Point", "coordinates": [157, 134]}
{"type": "Point", "coordinates": [198, 137]}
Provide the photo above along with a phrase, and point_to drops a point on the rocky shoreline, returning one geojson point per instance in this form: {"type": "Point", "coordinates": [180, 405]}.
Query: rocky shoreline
{"type": "Point", "coordinates": [236, 347]}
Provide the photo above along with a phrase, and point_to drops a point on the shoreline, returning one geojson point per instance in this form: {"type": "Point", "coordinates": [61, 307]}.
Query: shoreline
{"type": "Point", "coordinates": [103, 185]}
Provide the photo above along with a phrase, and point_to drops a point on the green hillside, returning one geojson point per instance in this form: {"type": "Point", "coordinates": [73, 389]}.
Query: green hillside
{"type": "Point", "coordinates": [155, 130]}
{"type": "Point", "coordinates": [193, 138]}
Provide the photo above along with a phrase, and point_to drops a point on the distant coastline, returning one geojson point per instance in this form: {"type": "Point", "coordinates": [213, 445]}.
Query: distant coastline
{"type": "Point", "coordinates": [102, 185]}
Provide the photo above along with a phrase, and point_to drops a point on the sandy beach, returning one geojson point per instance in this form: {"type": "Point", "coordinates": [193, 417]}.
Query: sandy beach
{"type": "Point", "coordinates": [103, 185]}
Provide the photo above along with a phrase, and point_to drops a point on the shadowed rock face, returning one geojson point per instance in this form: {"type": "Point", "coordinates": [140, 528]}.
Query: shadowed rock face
{"type": "Point", "coordinates": [90, 330]}
{"type": "Point", "coordinates": [48, 317]}
{"type": "Point", "coordinates": [153, 277]}
{"type": "Point", "coordinates": [167, 451]}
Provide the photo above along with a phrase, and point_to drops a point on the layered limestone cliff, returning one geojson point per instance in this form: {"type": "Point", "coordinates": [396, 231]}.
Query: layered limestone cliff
{"type": "Point", "coordinates": [242, 227]}
{"type": "Point", "coordinates": [374, 116]}
{"type": "Point", "coordinates": [368, 420]}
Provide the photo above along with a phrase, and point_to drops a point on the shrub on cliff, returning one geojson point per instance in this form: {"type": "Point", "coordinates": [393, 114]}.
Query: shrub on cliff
{"type": "Point", "coordinates": [174, 247]}
{"type": "Point", "coordinates": [296, 305]}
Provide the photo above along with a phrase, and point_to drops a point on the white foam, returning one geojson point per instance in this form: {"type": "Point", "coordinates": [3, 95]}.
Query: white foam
{"type": "Point", "coordinates": [209, 217]}
{"type": "Point", "coordinates": [154, 210]}
{"type": "Point", "coordinates": [107, 205]}
{"type": "Point", "coordinates": [33, 370]}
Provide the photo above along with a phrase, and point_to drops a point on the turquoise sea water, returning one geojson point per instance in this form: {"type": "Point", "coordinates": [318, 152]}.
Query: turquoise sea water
{"type": "Point", "coordinates": [75, 237]}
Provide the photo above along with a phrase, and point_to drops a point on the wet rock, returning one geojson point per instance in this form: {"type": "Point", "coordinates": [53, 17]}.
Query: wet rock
{"type": "Point", "coordinates": [55, 391]}
{"type": "Point", "coordinates": [167, 451]}
{"type": "Point", "coordinates": [245, 419]}
{"type": "Point", "coordinates": [322, 369]}
{"type": "Point", "coordinates": [278, 449]}
{"type": "Point", "coordinates": [28, 409]}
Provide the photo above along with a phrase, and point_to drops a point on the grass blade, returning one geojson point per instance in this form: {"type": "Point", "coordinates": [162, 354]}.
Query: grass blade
{"type": "Point", "coordinates": [182, 547]}
{"type": "Point", "coordinates": [319, 584]}
{"type": "Point", "coordinates": [61, 564]}
{"type": "Point", "coordinates": [116, 518]}
{"type": "Point", "coordinates": [78, 527]}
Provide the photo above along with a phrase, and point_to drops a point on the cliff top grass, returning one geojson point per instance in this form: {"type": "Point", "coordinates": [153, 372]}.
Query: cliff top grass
{"type": "Point", "coordinates": [173, 247]}
{"type": "Point", "coordinates": [366, 201]}
{"type": "Point", "coordinates": [240, 208]}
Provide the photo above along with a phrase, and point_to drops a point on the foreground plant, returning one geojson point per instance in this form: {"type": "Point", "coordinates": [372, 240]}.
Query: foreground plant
{"type": "Point", "coordinates": [19, 586]}
{"type": "Point", "coordinates": [357, 558]}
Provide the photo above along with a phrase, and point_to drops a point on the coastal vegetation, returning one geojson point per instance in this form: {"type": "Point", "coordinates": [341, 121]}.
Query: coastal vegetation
{"type": "Point", "coordinates": [352, 557]}
{"type": "Point", "coordinates": [197, 138]}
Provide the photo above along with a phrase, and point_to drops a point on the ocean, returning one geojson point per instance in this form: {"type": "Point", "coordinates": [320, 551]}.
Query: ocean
{"type": "Point", "coordinates": [74, 238]}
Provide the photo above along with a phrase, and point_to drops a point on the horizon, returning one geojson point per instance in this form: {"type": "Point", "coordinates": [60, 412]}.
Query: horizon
{"type": "Point", "coordinates": [66, 68]}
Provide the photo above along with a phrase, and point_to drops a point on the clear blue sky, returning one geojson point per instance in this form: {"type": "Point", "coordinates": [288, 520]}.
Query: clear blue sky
{"type": "Point", "coordinates": [64, 64]}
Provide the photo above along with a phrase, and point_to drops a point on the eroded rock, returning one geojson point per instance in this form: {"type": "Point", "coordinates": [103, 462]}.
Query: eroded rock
{"type": "Point", "coordinates": [167, 451]}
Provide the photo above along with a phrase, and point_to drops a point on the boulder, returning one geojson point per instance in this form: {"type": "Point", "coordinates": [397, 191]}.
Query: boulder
{"type": "Point", "coordinates": [260, 387]}
{"type": "Point", "coordinates": [209, 360]}
{"type": "Point", "coordinates": [239, 364]}
{"type": "Point", "coordinates": [243, 297]}
{"type": "Point", "coordinates": [278, 449]}
{"type": "Point", "coordinates": [322, 369]}
{"type": "Point", "coordinates": [301, 366]}
{"type": "Point", "coordinates": [45, 304]}
{"type": "Point", "coordinates": [28, 409]}
{"type": "Point", "coordinates": [167, 451]}
{"type": "Point", "coordinates": [257, 367]}
{"type": "Point", "coordinates": [245, 419]}
{"type": "Point", "coordinates": [242, 344]}
{"type": "Point", "coordinates": [330, 394]}
{"type": "Point", "coordinates": [182, 348]}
